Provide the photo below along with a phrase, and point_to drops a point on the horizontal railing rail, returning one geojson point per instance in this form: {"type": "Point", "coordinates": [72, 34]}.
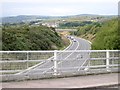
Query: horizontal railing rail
{"type": "Point", "coordinates": [57, 62]}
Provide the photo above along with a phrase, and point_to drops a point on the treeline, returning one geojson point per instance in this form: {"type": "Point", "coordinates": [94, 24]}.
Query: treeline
{"type": "Point", "coordinates": [25, 37]}
{"type": "Point", "coordinates": [103, 35]}
{"type": "Point", "coordinates": [73, 24]}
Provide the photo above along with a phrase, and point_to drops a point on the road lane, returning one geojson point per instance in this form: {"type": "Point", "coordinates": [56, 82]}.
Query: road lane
{"type": "Point", "coordinates": [78, 44]}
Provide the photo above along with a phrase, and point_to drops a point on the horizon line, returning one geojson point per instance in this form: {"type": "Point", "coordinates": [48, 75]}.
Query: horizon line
{"type": "Point", "coordinates": [59, 15]}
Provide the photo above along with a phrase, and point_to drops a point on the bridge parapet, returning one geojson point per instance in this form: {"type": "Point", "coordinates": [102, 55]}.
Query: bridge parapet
{"type": "Point", "coordinates": [44, 64]}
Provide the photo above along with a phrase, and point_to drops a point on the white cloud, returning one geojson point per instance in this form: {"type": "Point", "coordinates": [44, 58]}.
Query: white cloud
{"type": "Point", "coordinates": [59, 7]}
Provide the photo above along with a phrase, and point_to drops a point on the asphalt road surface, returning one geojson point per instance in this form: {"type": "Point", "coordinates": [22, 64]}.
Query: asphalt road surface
{"type": "Point", "coordinates": [66, 60]}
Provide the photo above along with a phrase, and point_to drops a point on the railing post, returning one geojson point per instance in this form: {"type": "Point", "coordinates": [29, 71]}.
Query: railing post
{"type": "Point", "coordinates": [88, 65]}
{"type": "Point", "coordinates": [55, 62]}
{"type": "Point", "coordinates": [107, 60]}
{"type": "Point", "coordinates": [27, 59]}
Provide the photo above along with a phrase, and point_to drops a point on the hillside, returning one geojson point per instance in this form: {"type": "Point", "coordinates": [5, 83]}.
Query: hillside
{"type": "Point", "coordinates": [71, 18]}
{"type": "Point", "coordinates": [108, 37]}
{"type": "Point", "coordinates": [88, 31]}
{"type": "Point", "coordinates": [24, 37]}
{"type": "Point", "coordinates": [103, 35]}
{"type": "Point", "coordinates": [23, 18]}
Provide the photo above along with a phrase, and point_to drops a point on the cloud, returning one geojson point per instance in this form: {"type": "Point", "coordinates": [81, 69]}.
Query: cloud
{"type": "Point", "coordinates": [58, 7]}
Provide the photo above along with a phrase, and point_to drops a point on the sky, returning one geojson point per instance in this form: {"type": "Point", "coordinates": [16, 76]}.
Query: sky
{"type": "Point", "coordinates": [58, 7]}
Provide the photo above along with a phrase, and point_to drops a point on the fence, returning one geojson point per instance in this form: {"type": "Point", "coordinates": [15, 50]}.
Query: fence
{"type": "Point", "coordinates": [22, 65]}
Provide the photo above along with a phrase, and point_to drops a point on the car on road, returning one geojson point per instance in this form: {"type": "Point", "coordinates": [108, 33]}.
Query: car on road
{"type": "Point", "coordinates": [68, 36]}
{"type": "Point", "coordinates": [71, 38]}
{"type": "Point", "coordinates": [74, 40]}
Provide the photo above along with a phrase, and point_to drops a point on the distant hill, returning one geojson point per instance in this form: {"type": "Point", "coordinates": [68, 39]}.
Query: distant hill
{"type": "Point", "coordinates": [27, 18]}
{"type": "Point", "coordinates": [88, 15]}
{"type": "Point", "coordinates": [22, 18]}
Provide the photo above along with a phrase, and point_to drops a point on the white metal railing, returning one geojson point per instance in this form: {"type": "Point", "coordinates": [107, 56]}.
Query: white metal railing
{"type": "Point", "coordinates": [56, 62]}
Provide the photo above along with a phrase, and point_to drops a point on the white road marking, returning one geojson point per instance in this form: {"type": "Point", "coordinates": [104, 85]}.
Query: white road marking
{"type": "Point", "coordinates": [64, 59]}
{"type": "Point", "coordinates": [28, 69]}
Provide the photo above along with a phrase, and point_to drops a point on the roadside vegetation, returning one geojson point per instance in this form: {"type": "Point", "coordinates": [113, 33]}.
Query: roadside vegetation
{"type": "Point", "coordinates": [26, 37]}
{"type": "Point", "coordinates": [75, 24]}
{"type": "Point", "coordinates": [88, 31]}
{"type": "Point", "coordinates": [103, 35]}
{"type": "Point", "coordinates": [108, 37]}
{"type": "Point", "coordinates": [102, 32]}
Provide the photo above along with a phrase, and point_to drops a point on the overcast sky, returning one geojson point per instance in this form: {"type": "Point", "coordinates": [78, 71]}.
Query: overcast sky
{"type": "Point", "coordinates": [58, 7]}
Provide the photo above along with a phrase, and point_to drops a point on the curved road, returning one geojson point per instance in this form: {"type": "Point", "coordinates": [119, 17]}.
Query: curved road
{"type": "Point", "coordinates": [80, 44]}
{"type": "Point", "coordinates": [65, 59]}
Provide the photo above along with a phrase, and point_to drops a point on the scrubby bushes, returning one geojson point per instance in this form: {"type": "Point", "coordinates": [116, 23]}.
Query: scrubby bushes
{"type": "Point", "coordinates": [25, 37]}
{"type": "Point", "coordinates": [105, 35]}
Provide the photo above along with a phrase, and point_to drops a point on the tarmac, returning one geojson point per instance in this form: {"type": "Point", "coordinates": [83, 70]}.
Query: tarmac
{"type": "Point", "coordinates": [68, 82]}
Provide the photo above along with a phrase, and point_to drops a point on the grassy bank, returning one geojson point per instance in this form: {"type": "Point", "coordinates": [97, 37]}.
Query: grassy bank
{"type": "Point", "coordinates": [25, 37]}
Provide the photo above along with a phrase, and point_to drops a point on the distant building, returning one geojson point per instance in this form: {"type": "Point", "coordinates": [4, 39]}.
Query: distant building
{"type": "Point", "coordinates": [50, 24]}
{"type": "Point", "coordinates": [63, 20]}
